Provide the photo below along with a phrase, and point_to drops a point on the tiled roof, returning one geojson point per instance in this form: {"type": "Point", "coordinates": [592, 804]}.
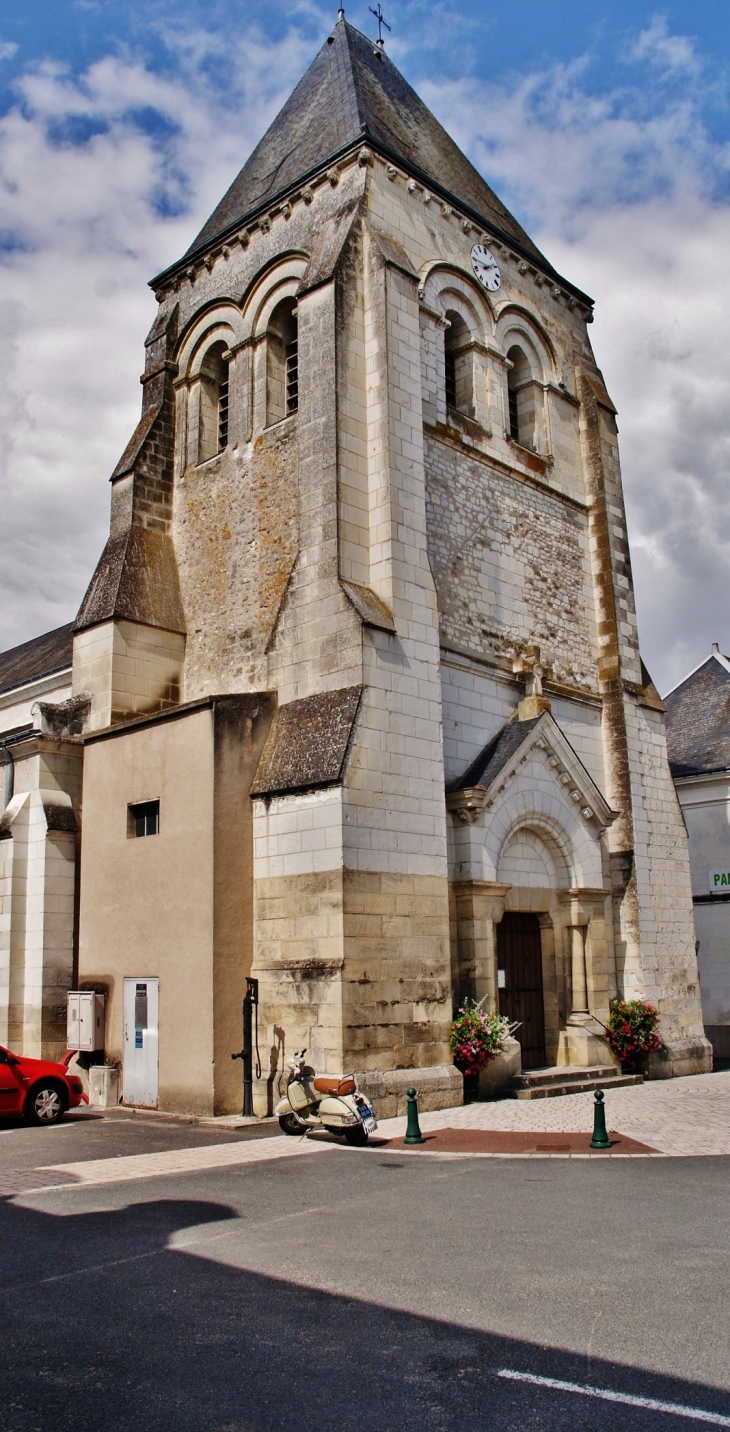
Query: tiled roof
{"type": "Point", "coordinates": [698, 720]}
{"type": "Point", "coordinates": [352, 93]}
{"type": "Point", "coordinates": [34, 659]}
{"type": "Point", "coordinates": [497, 752]}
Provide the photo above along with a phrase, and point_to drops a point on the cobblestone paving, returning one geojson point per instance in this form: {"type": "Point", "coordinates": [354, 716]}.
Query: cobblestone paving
{"type": "Point", "coordinates": [676, 1116]}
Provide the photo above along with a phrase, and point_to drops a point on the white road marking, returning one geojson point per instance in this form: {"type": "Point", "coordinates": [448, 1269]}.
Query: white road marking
{"type": "Point", "coordinates": [697, 1414]}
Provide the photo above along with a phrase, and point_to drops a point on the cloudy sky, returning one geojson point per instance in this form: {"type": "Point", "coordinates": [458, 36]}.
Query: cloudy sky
{"type": "Point", "coordinates": [604, 127]}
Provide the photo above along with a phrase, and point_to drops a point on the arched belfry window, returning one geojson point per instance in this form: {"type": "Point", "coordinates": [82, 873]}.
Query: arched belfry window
{"type": "Point", "coordinates": [521, 399]}
{"type": "Point", "coordinates": [282, 362]}
{"type": "Point", "coordinates": [458, 365]}
{"type": "Point", "coordinates": [213, 403]}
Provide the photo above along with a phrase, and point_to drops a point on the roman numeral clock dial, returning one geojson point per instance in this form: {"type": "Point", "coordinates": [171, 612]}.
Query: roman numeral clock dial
{"type": "Point", "coordinates": [486, 268]}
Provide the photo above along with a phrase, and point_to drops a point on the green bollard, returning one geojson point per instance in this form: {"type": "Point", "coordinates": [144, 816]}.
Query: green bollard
{"type": "Point", "coordinates": [600, 1138]}
{"type": "Point", "coordinates": [413, 1131]}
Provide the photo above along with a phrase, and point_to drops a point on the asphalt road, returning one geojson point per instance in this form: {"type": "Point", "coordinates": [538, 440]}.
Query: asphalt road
{"type": "Point", "coordinates": [85, 1134]}
{"type": "Point", "coordinates": [362, 1291]}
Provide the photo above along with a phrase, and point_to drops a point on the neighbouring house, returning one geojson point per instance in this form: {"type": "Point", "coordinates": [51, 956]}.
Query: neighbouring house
{"type": "Point", "coordinates": [357, 683]}
{"type": "Point", "coordinates": [698, 741]}
{"type": "Point", "coordinates": [41, 796]}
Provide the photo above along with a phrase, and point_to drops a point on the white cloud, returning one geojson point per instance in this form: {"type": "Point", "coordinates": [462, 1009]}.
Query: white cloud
{"type": "Point", "coordinates": [87, 193]}
{"type": "Point", "coordinates": [624, 203]}
{"type": "Point", "coordinates": [620, 193]}
{"type": "Point", "coordinates": [671, 54]}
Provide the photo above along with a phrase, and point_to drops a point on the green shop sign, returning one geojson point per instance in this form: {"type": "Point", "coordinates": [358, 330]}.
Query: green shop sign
{"type": "Point", "coordinates": [720, 881]}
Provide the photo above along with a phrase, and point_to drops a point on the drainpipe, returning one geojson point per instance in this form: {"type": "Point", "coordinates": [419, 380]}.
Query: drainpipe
{"type": "Point", "coordinates": [9, 774]}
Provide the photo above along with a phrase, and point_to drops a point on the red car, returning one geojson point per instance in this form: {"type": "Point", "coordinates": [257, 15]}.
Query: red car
{"type": "Point", "coordinates": [37, 1088]}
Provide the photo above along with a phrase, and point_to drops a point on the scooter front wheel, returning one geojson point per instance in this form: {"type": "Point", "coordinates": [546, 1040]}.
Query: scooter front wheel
{"type": "Point", "coordinates": [290, 1124]}
{"type": "Point", "coordinates": [357, 1136]}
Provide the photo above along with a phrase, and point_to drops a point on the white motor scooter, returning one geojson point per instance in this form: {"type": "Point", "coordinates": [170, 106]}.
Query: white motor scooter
{"type": "Point", "coordinates": [324, 1102]}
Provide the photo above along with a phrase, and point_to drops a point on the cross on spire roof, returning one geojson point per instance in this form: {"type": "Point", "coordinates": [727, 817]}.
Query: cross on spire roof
{"type": "Point", "coordinates": [379, 16]}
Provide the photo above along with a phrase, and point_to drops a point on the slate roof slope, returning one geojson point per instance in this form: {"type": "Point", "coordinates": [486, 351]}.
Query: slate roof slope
{"type": "Point", "coordinates": [353, 94]}
{"type": "Point", "coordinates": [495, 755]}
{"type": "Point", "coordinates": [34, 659]}
{"type": "Point", "coordinates": [698, 720]}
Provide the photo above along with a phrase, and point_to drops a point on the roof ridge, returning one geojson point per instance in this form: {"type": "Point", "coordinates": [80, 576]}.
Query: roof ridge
{"type": "Point", "coordinates": [716, 655]}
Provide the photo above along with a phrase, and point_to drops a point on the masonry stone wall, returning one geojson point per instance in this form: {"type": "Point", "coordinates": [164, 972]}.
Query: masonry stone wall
{"type": "Point", "coordinates": [510, 565]}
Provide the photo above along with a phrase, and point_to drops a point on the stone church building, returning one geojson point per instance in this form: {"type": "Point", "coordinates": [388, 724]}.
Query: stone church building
{"type": "Point", "coordinates": [356, 702]}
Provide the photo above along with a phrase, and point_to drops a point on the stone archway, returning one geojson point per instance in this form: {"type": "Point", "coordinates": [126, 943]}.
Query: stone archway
{"type": "Point", "coordinates": [533, 864]}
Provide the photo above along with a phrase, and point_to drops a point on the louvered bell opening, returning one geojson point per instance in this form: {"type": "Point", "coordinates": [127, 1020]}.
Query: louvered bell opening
{"type": "Point", "coordinates": [292, 377]}
{"type": "Point", "coordinates": [223, 410]}
{"type": "Point", "coordinates": [450, 380]}
{"type": "Point", "coordinates": [514, 424]}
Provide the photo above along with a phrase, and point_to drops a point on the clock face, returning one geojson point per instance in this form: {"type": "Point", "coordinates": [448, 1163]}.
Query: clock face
{"type": "Point", "coordinates": [485, 267]}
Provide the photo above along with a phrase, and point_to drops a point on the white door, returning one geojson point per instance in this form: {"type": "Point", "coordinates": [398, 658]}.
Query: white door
{"type": "Point", "coordinates": [141, 1009]}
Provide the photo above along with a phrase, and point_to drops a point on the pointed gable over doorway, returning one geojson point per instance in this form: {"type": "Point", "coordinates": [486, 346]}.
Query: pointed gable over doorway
{"type": "Point", "coordinates": [507, 751]}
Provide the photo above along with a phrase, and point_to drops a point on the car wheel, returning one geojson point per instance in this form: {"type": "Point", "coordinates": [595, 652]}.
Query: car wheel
{"type": "Point", "coordinates": [290, 1124]}
{"type": "Point", "coordinates": [45, 1104]}
{"type": "Point", "coordinates": [357, 1136]}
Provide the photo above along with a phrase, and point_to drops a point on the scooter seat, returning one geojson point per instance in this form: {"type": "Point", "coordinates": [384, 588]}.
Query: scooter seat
{"type": "Point", "coordinates": [339, 1084]}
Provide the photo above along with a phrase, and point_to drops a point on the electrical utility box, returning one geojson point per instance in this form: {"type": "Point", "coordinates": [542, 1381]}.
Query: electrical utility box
{"type": "Point", "coordinates": [85, 1021]}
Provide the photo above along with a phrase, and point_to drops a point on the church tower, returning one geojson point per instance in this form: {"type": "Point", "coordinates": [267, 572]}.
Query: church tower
{"type": "Point", "coordinates": [362, 648]}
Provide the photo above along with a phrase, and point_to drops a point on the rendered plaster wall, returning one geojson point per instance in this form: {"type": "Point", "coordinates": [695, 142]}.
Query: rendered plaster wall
{"type": "Point", "coordinates": [177, 906]}
{"type": "Point", "coordinates": [147, 907]}
{"type": "Point", "coordinates": [705, 803]}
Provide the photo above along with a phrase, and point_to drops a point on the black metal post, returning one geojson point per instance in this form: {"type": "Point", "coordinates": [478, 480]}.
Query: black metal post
{"type": "Point", "coordinates": [246, 1054]}
{"type": "Point", "coordinates": [252, 998]}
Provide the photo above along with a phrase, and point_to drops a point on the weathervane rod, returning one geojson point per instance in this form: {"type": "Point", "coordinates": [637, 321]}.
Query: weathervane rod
{"type": "Point", "coordinates": [381, 21]}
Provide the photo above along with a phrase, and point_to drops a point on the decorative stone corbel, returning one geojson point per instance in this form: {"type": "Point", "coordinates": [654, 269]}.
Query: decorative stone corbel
{"type": "Point", "coordinates": [467, 804]}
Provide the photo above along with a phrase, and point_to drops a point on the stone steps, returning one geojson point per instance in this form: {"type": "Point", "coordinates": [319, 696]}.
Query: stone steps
{"type": "Point", "coordinates": [552, 1082]}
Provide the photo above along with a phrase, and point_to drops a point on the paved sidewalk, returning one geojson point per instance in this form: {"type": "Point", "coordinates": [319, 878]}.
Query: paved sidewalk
{"type": "Point", "coordinates": [676, 1116]}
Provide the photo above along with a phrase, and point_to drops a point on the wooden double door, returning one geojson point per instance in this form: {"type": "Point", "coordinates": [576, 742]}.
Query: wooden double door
{"type": "Point", "coordinates": [519, 962]}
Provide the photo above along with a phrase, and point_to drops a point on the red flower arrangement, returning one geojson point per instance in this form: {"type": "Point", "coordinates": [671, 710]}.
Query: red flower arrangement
{"type": "Point", "coordinates": [631, 1033]}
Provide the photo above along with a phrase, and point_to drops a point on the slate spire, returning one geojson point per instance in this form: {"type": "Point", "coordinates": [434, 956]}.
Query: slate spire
{"type": "Point", "coordinates": [352, 94]}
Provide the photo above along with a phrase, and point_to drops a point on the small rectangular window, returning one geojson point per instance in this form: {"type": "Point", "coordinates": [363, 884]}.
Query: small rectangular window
{"type": "Point", "coordinates": [143, 818]}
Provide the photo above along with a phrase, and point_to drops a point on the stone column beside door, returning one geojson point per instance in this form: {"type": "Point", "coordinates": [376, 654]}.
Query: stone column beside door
{"type": "Point", "coordinates": [582, 1042]}
{"type": "Point", "coordinates": [479, 909]}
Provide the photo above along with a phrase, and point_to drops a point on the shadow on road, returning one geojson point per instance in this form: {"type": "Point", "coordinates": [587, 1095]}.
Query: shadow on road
{"type": "Point", "coordinates": [108, 1328]}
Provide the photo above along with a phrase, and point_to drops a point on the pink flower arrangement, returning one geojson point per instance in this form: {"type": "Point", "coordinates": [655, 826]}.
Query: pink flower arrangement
{"type": "Point", "coordinates": [477, 1037]}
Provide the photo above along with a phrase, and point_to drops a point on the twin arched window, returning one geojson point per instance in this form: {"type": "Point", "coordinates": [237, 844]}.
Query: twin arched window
{"type": "Point", "coordinates": [282, 381]}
